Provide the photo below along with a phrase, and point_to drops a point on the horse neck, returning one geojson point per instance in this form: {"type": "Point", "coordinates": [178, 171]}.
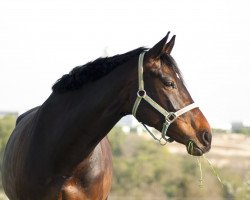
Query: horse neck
{"type": "Point", "coordinates": [76, 121]}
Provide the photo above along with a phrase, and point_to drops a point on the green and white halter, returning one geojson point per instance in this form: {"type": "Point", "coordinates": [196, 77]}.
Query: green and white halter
{"type": "Point", "coordinates": [170, 117]}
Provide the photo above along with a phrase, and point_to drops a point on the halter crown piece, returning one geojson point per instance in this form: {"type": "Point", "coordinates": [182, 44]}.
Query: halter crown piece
{"type": "Point", "coordinates": [170, 117]}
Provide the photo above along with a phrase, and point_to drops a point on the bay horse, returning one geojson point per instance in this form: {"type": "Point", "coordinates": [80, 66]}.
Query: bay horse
{"type": "Point", "coordinates": [59, 150]}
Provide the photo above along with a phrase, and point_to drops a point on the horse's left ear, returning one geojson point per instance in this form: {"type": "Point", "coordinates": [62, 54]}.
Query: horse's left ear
{"type": "Point", "coordinates": [169, 46]}
{"type": "Point", "coordinates": [157, 49]}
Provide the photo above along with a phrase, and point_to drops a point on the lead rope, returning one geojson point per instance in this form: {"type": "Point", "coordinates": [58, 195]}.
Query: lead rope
{"type": "Point", "coordinates": [161, 141]}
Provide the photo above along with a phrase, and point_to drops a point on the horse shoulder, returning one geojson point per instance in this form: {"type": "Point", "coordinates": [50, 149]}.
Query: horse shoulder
{"type": "Point", "coordinates": [92, 177]}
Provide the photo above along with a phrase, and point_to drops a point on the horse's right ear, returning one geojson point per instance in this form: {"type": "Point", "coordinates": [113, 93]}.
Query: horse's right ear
{"type": "Point", "coordinates": [157, 49]}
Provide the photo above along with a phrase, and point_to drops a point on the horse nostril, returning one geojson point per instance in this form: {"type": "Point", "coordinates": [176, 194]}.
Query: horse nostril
{"type": "Point", "coordinates": [206, 138]}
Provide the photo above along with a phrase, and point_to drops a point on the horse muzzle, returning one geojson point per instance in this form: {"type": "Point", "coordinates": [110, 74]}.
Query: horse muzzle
{"type": "Point", "coordinates": [204, 147]}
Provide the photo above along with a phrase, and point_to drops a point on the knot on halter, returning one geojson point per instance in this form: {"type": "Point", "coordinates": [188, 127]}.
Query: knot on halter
{"type": "Point", "coordinates": [170, 117]}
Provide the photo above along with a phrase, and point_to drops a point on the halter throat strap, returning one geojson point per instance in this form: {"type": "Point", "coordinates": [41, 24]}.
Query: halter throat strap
{"type": "Point", "coordinates": [170, 117]}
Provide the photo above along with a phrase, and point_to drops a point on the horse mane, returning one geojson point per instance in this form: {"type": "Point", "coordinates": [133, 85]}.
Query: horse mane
{"type": "Point", "coordinates": [92, 71]}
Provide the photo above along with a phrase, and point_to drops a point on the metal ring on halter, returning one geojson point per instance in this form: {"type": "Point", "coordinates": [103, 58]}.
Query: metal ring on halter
{"type": "Point", "coordinates": [141, 95]}
{"type": "Point", "coordinates": [164, 141]}
{"type": "Point", "coordinates": [170, 117]}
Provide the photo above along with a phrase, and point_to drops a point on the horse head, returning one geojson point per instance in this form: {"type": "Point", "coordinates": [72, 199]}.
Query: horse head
{"type": "Point", "coordinates": [165, 102]}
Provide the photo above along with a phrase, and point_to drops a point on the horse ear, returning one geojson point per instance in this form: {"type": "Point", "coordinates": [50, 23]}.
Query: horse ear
{"type": "Point", "coordinates": [157, 49]}
{"type": "Point", "coordinates": [169, 46]}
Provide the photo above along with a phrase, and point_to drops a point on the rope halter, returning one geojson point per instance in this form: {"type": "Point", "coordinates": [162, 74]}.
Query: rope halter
{"type": "Point", "coordinates": [170, 117]}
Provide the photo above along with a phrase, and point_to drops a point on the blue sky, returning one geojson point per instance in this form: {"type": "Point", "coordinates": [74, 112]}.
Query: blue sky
{"type": "Point", "coordinates": [41, 40]}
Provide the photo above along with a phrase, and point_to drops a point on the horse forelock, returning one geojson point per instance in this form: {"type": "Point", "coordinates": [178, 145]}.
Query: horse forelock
{"type": "Point", "coordinates": [169, 60]}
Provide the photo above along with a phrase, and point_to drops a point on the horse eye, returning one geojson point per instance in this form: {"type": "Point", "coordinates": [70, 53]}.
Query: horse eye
{"type": "Point", "coordinates": [170, 84]}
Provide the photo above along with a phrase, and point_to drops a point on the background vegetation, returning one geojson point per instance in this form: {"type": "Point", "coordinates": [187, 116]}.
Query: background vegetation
{"type": "Point", "coordinates": [145, 170]}
{"type": "Point", "coordinates": [7, 124]}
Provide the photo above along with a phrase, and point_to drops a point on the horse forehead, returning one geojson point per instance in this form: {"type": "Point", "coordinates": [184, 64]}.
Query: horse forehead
{"type": "Point", "coordinates": [173, 71]}
{"type": "Point", "coordinates": [167, 70]}
{"type": "Point", "coordinates": [159, 64]}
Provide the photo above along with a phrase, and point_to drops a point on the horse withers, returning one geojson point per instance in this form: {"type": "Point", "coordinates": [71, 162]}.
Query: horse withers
{"type": "Point", "coordinates": [59, 150]}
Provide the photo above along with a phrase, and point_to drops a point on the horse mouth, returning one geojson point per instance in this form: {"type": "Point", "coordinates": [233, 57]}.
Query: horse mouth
{"type": "Point", "coordinates": [193, 149]}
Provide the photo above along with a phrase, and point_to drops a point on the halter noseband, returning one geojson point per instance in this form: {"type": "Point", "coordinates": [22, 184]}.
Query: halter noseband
{"type": "Point", "coordinates": [170, 117]}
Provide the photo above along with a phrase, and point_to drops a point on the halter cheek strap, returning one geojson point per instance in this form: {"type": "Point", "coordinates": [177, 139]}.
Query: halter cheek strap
{"type": "Point", "coordinates": [170, 117]}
